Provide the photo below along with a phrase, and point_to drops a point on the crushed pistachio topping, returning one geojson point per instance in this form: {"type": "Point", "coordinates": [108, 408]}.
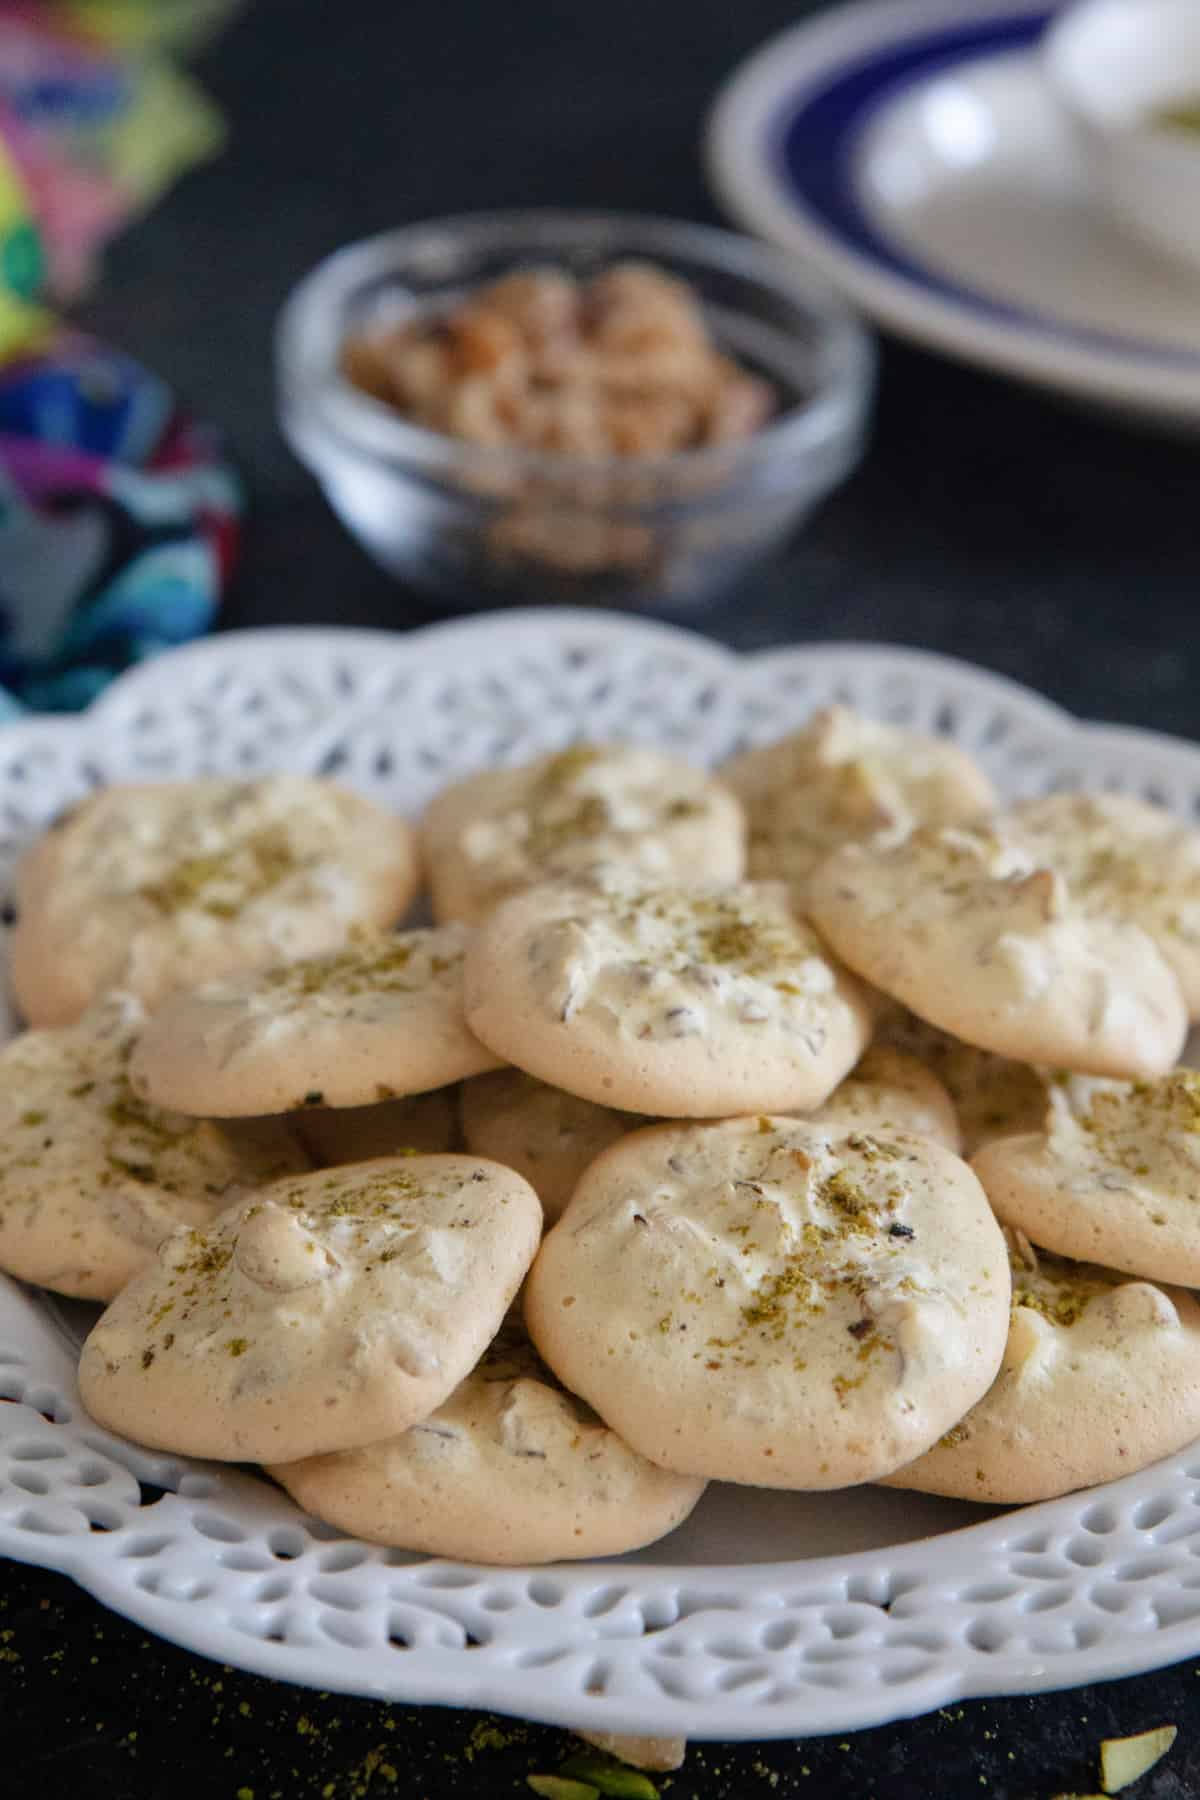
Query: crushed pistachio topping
{"type": "Point", "coordinates": [565, 807]}
{"type": "Point", "coordinates": [208, 1258]}
{"type": "Point", "coordinates": [1119, 871]}
{"type": "Point", "coordinates": [398, 964]}
{"type": "Point", "coordinates": [1057, 1288]}
{"type": "Point", "coordinates": [1136, 1129]}
{"type": "Point", "coordinates": [844, 1253]}
{"type": "Point", "coordinates": [373, 1219]}
{"type": "Point", "coordinates": [730, 933]}
{"type": "Point", "coordinates": [677, 963]}
{"type": "Point", "coordinates": [844, 778]}
{"type": "Point", "coordinates": [1145, 869]}
{"type": "Point", "coordinates": [1175, 1100]}
{"type": "Point", "coordinates": [1181, 115]}
{"type": "Point", "coordinates": [726, 932]}
{"type": "Point", "coordinates": [563, 770]}
{"type": "Point", "coordinates": [91, 1131]}
{"type": "Point", "coordinates": [1061, 1305]}
{"type": "Point", "coordinates": [222, 882]}
{"type": "Point", "coordinates": [558, 812]}
{"type": "Point", "coordinates": [728, 938]}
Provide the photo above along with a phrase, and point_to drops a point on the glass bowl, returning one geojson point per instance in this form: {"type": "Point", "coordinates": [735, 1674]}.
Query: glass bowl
{"type": "Point", "coordinates": [482, 524]}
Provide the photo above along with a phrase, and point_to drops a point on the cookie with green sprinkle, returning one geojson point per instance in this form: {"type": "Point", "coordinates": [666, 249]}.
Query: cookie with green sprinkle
{"type": "Point", "coordinates": [1125, 858]}
{"type": "Point", "coordinates": [1112, 1177]}
{"type": "Point", "coordinates": [504, 829]}
{"type": "Point", "coordinates": [155, 887]}
{"type": "Point", "coordinates": [1101, 1375]}
{"type": "Point", "coordinates": [329, 1311]}
{"type": "Point", "coordinates": [970, 929]}
{"type": "Point", "coordinates": [378, 1020]}
{"type": "Point", "coordinates": [767, 1302]}
{"type": "Point", "coordinates": [844, 778]}
{"type": "Point", "coordinates": [685, 1002]}
{"type": "Point", "coordinates": [93, 1177]}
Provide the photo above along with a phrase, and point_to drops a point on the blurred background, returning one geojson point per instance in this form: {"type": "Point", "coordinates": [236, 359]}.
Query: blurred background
{"type": "Point", "coordinates": [987, 518]}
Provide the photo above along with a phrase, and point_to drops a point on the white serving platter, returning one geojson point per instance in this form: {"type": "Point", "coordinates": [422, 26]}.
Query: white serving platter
{"type": "Point", "coordinates": [766, 1614]}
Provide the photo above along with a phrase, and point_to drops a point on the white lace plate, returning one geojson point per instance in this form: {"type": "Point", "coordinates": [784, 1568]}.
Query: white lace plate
{"type": "Point", "coordinates": [767, 1614]}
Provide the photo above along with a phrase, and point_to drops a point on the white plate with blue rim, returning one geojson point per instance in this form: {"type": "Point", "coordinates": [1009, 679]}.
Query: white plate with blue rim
{"type": "Point", "coordinates": [914, 151]}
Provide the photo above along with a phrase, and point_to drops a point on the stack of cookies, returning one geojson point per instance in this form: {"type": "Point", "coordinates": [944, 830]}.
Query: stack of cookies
{"type": "Point", "coordinates": [816, 1125]}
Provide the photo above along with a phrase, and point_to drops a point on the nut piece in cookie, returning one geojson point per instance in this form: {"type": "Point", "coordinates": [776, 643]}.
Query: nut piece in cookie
{"type": "Point", "coordinates": [327, 1312]}
{"type": "Point", "coordinates": [762, 1301]}
{"type": "Point", "coordinates": [152, 888]}
{"type": "Point", "coordinates": [1112, 1176]}
{"type": "Point", "coordinates": [501, 831]}
{"type": "Point", "coordinates": [889, 1091]}
{"type": "Point", "coordinates": [844, 778]}
{"type": "Point", "coordinates": [1124, 858]}
{"type": "Point", "coordinates": [1101, 1375]}
{"type": "Point", "coordinates": [964, 927]}
{"type": "Point", "coordinates": [92, 1178]}
{"type": "Point", "coordinates": [510, 1469]}
{"type": "Point", "coordinates": [378, 1020]}
{"type": "Point", "coordinates": [548, 1136]}
{"type": "Point", "coordinates": [685, 1002]}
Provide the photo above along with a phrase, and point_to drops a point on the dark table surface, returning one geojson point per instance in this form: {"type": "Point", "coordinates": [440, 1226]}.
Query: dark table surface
{"type": "Point", "coordinates": [987, 520]}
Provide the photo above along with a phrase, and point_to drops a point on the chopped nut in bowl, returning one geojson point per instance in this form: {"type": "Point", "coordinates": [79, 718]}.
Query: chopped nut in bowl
{"type": "Point", "coordinates": [570, 406]}
{"type": "Point", "coordinates": [619, 365]}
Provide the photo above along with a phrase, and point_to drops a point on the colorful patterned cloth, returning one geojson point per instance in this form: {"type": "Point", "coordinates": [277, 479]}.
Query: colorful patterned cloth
{"type": "Point", "coordinates": [118, 524]}
{"type": "Point", "coordinates": [118, 516]}
{"type": "Point", "coordinates": [90, 134]}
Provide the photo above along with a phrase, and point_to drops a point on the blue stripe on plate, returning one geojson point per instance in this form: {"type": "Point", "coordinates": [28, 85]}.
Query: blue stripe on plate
{"type": "Point", "coordinates": [812, 143]}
